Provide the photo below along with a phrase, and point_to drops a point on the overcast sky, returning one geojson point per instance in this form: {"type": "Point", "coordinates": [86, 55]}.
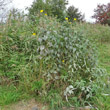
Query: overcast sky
{"type": "Point", "coordinates": [85, 6]}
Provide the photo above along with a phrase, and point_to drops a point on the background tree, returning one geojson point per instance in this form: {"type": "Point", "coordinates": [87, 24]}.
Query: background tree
{"type": "Point", "coordinates": [59, 8]}
{"type": "Point", "coordinates": [73, 12]}
{"type": "Point", "coordinates": [40, 5]}
{"type": "Point", "coordinates": [3, 7]}
{"type": "Point", "coordinates": [102, 14]}
{"type": "Point", "coordinates": [51, 7]}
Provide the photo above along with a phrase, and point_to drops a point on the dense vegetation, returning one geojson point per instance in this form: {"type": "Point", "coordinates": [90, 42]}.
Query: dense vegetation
{"type": "Point", "coordinates": [51, 60]}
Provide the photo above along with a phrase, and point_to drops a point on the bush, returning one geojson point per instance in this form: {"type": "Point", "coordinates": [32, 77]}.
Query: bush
{"type": "Point", "coordinates": [54, 62]}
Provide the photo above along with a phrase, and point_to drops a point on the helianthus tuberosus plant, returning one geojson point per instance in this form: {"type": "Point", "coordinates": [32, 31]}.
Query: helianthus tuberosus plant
{"type": "Point", "coordinates": [51, 60]}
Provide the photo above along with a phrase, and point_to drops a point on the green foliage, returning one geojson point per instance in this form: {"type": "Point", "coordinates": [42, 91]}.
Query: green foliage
{"type": "Point", "coordinates": [37, 85]}
{"type": "Point", "coordinates": [51, 7]}
{"type": "Point", "coordinates": [9, 94]}
{"type": "Point", "coordinates": [96, 32]}
{"type": "Point", "coordinates": [73, 12]}
{"type": "Point", "coordinates": [102, 101]}
{"type": "Point", "coordinates": [104, 56]}
{"type": "Point", "coordinates": [55, 100]}
{"type": "Point", "coordinates": [59, 8]}
{"type": "Point", "coordinates": [40, 5]}
{"type": "Point", "coordinates": [58, 62]}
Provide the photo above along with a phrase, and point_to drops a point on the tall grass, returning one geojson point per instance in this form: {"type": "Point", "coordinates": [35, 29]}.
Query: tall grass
{"type": "Point", "coordinates": [96, 32]}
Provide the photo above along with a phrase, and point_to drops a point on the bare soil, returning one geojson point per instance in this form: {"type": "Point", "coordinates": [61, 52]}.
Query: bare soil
{"type": "Point", "coordinates": [28, 105]}
{"type": "Point", "coordinates": [25, 105]}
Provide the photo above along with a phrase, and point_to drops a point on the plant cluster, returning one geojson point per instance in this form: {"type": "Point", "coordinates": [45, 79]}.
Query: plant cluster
{"type": "Point", "coordinates": [50, 60]}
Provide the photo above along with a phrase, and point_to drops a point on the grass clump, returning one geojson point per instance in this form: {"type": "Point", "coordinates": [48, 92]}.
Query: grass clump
{"type": "Point", "coordinates": [56, 63]}
{"type": "Point", "coordinates": [10, 94]}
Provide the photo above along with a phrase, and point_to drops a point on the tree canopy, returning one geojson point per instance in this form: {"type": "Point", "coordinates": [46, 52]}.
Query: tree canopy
{"type": "Point", "coordinates": [51, 7]}
{"type": "Point", "coordinates": [73, 14]}
{"type": "Point", "coordinates": [102, 14]}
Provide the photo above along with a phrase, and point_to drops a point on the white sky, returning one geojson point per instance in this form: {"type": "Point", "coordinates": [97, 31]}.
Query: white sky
{"type": "Point", "coordinates": [85, 6]}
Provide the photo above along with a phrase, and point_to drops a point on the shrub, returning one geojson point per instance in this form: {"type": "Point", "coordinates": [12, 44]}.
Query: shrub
{"type": "Point", "coordinates": [55, 62]}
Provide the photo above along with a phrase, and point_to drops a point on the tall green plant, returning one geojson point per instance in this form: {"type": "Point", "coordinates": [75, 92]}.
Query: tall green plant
{"type": "Point", "coordinates": [51, 60]}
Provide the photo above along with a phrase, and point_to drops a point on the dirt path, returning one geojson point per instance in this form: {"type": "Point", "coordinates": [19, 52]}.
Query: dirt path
{"type": "Point", "coordinates": [31, 104]}
{"type": "Point", "coordinates": [25, 105]}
